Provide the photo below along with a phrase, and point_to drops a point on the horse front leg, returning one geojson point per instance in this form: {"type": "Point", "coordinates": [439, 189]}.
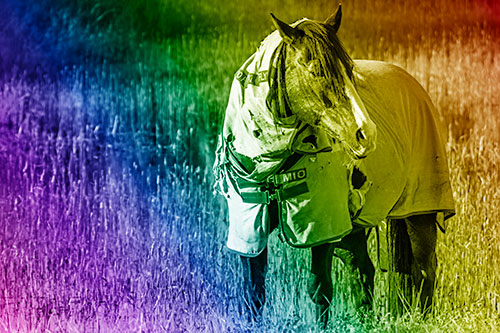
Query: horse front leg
{"type": "Point", "coordinates": [320, 284]}
{"type": "Point", "coordinates": [254, 271]}
{"type": "Point", "coordinates": [353, 252]}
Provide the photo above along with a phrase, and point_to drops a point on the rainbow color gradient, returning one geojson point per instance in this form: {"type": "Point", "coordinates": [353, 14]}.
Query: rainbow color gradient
{"type": "Point", "coordinates": [109, 112]}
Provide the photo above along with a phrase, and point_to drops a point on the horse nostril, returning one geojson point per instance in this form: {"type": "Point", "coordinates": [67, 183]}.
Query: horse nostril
{"type": "Point", "coordinates": [327, 101]}
{"type": "Point", "coordinates": [360, 135]}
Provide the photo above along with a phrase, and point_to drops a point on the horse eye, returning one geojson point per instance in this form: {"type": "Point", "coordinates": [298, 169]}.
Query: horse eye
{"type": "Point", "coordinates": [315, 69]}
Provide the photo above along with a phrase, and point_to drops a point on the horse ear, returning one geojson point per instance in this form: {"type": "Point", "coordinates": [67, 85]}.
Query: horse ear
{"type": "Point", "coordinates": [288, 33]}
{"type": "Point", "coordinates": [334, 19]}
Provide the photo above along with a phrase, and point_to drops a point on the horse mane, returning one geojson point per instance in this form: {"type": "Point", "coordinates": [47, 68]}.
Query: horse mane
{"type": "Point", "coordinates": [323, 44]}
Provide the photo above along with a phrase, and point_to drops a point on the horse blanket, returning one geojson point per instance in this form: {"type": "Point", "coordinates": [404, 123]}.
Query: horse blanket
{"type": "Point", "coordinates": [259, 137]}
{"type": "Point", "coordinates": [409, 167]}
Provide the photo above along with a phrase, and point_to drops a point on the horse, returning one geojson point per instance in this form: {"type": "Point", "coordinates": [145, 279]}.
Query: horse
{"type": "Point", "coordinates": [321, 147]}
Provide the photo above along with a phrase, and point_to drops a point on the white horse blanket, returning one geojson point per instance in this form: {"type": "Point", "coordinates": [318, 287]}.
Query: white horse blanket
{"type": "Point", "coordinates": [409, 167]}
{"type": "Point", "coordinates": [258, 131]}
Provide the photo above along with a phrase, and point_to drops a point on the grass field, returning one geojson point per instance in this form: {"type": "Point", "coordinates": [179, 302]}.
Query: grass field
{"type": "Point", "coordinates": [108, 117]}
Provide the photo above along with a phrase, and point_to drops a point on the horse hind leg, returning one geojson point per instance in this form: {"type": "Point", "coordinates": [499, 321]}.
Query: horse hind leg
{"type": "Point", "coordinates": [400, 283]}
{"type": "Point", "coordinates": [422, 232]}
{"type": "Point", "coordinates": [320, 285]}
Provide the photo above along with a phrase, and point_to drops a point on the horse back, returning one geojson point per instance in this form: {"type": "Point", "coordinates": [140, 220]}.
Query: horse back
{"type": "Point", "coordinates": [409, 166]}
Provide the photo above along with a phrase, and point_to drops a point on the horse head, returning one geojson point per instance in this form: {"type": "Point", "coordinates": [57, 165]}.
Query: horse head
{"type": "Point", "coordinates": [319, 83]}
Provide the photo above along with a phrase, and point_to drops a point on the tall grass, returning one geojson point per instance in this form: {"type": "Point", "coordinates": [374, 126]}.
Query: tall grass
{"type": "Point", "coordinates": [108, 222]}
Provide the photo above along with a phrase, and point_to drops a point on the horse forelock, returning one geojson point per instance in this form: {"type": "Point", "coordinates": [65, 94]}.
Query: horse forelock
{"type": "Point", "coordinates": [321, 43]}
